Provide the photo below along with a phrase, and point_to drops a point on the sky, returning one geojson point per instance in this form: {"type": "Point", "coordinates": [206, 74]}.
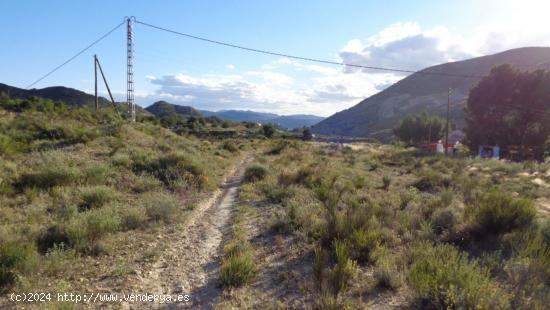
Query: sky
{"type": "Point", "coordinates": [37, 36]}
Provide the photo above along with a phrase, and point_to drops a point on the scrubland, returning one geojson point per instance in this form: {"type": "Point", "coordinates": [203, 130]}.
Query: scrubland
{"type": "Point", "coordinates": [384, 227]}
{"type": "Point", "coordinates": [83, 196]}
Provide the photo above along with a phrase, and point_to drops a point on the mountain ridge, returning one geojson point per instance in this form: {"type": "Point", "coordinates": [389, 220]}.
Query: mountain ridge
{"type": "Point", "coordinates": [376, 115]}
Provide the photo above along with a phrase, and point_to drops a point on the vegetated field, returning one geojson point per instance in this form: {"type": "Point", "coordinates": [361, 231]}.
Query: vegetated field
{"type": "Point", "coordinates": [84, 196]}
{"type": "Point", "coordinates": [383, 227]}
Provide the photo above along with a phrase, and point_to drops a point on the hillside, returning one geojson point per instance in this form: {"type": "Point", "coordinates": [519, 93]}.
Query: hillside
{"type": "Point", "coordinates": [70, 96]}
{"type": "Point", "coordinates": [76, 186]}
{"type": "Point", "coordinates": [163, 108]}
{"type": "Point", "coordinates": [377, 115]}
{"type": "Point", "coordinates": [286, 121]}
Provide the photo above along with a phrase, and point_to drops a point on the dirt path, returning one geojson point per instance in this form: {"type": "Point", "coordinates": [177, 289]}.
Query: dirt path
{"type": "Point", "coordinates": [190, 263]}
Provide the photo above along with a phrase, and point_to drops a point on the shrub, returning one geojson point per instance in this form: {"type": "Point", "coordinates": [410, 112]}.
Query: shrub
{"type": "Point", "coordinates": [430, 180]}
{"type": "Point", "coordinates": [255, 172]}
{"type": "Point", "coordinates": [445, 219]}
{"type": "Point", "coordinates": [237, 269]}
{"type": "Point", "coordinates": [343, 272]}
{"type": "Point", "coordinates": [268, 130]}
{"type": "Point", "coordinates": [100, 222]}
{"type": "Point", "coordinates": [386, 272]}
{"type": "Point", "coordinates": [134, 217]}
{"type": "Point", "coordinates": [8, 145]}
{"type": "Point", "coordinates": [545, 232]}
{"type": "Point", "coordinates": [96, 174]}
{"type": "Point", "coordinates": [279, 147]}
{"type": "Point", "coordinates": [172, 169]}
{"type": "Point", "coordinates": [386, 181]}
{"type": "Point", "coordinates": [85, 230]}
{"type": "Point", "coordinates": [444, 277]}
{"type": "Point", "coordinates": [161, 207]}
{"type": "Point", "coordinates": [96, 196]}
{"type": "Point", "coordinates": [49, 174]}
{"type": "Point", "coordinates": [363, 243]}
{"type": "Point", "coordinates": [54, 236]}
{"type": "Point", "coordinates": [499, 212]}
{"type": "Point", "coordinates": [15, 257]}
{"type": "Point", "coordinates": [230, 146]}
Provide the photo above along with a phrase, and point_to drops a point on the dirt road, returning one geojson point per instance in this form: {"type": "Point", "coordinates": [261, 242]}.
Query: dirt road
{"type": "Point", "coordinates": [190, 263]}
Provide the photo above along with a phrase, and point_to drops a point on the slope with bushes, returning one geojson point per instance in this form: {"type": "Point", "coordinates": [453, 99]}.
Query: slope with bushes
{"type": "Point", "coordinates": [382, 226]}
{"type": "Point", "coordinates": [83, 196]}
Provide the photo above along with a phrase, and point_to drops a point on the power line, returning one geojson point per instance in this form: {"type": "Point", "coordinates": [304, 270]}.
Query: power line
{"type": "Point", "coordinates": [76, 55]}
{"type": "Point", "coordinates": [255, 50]}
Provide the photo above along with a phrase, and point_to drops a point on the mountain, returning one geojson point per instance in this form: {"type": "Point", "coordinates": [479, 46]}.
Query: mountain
{"type": "Point", "coordinates": [241, 116]}
{"type": "Point", "coordinates": [297, 120]}
{"type": "Point", "coordinates": [376, 116]}
{"type": "Point", "coordinates": [163, 108]}
{"type": "Point", "coordinates": [68, 95]}
{"type": "Point", "coordinates": [287, 121]}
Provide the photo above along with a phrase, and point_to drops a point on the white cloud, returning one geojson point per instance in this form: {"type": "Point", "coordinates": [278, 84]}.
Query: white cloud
{"type": "Point", "coordinates": [325, 89]}
{"type": "Point", "coordinates": [272, 77]}
{"type": "Point", "coordinates": [404, 46]}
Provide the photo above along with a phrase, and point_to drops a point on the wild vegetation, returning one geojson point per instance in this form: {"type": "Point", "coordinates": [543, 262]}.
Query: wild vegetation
{"type": "Point", "coordinates": [83, 195]}
{"type": "Point", "coordinates": [85, 198]}
{"type": "Point", "coordinates": [382, 226]}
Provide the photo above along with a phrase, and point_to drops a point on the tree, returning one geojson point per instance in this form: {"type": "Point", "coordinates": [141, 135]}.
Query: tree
{"type": "Point", "coordinates": [509, 108]}
{"type": "Point", "coordinates": [420, 127]}
{"type": "Point", "coordinates": [268, 130]}
{"type": "Point", "coordinates": [306, 134]}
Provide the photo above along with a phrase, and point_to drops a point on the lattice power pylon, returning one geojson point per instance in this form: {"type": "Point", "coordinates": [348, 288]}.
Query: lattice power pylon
{"type": "Point", "coordinates": [130, 70]}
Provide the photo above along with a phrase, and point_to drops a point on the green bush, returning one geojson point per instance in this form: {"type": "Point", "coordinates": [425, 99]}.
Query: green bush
{"type": "Point", "coordinates": [172, 169]}
{"type": "Point", "coordinates": [9, 146]}
{"type": "Point", "coordinates": [134, 218]}
{"type": "Point", "coordinates": [96, 196]}
{"type": "Point", "coordinates": [85, 230]}
{"type": "Point", "coordinates": [545, 231]}
{"type": "Point", "coordinates": [362, 244]}
{"type": "Point", "coordinates": [341, 275]}
{"type": "Point", "coordinates": [445, 278]}
{"type": "Point", "coordinates": [49, 174]}
{"type": "Point", "coordinates": [255, 172]}
{"type": "Point", "coordinates": [386, 181]}
{"type": "Point", "coordinates": [15, 257]}
{"type": "Point", "coordinates": [386, 272]}
{"type": "Point", "coordinates": [54, 236]}
{"type": "Point", "coordinates": [499, 212]}
{"type": "Point", "coordinates": [430, 180]}
{"type": "Point", "coordinates": [230, 146]}
{"type": "Point", "coordinates": [445, 219]}
{"type": "Point", "coordinates": [237, 269]}
{"type": "Point", "coordinates": [161, 207]}
{"type": "Point", "coordinates": [96, 174]}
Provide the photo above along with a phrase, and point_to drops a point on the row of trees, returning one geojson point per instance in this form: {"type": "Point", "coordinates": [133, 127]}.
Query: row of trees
{"type": "Point", "coordinates": [420, 128]}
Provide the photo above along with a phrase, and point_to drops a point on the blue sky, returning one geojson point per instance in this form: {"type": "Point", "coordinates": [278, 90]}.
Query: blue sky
{"type": "Point", "coordinates": [39, 35]}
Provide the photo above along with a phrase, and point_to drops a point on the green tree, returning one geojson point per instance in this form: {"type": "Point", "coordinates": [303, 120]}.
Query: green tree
{"type": "Point", "coordinates": [420, 127]}
{"type": "Point", "coordinates": [510, 107]}
{"type": "Point", "coordinates": [306, 134]}
{"type": "Point", "coordinates": [268, 130]}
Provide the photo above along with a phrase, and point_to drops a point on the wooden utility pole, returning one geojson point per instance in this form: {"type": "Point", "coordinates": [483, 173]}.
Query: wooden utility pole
{"type": "Point", "coordinates": [95, 78]}
{"type": "Point", "coordinates": [447, 124]}
{"type": "Point", "coordinates": [106, 84]}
